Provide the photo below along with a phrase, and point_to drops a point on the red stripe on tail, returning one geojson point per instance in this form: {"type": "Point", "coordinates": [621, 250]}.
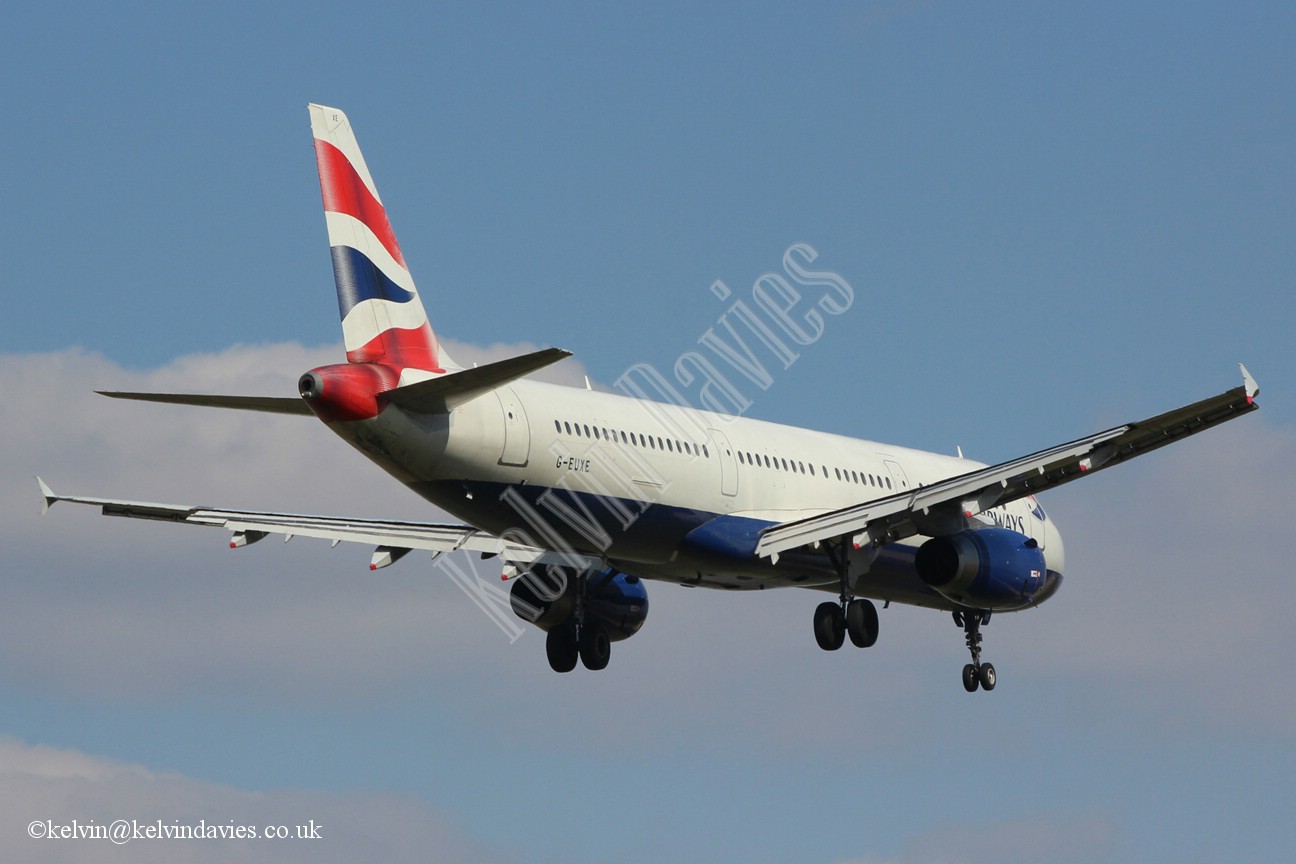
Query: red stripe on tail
{"type": "Point", "coordinates": [401, 348]}
{"type": "Point", "coordinates": [344, 192]}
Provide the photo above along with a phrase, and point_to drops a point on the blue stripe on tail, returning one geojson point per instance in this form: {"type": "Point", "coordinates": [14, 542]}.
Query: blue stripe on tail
{"type": "Point", "coordinates": [359, 279]}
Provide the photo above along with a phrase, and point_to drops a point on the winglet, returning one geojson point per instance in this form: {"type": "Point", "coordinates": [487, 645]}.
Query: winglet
{"type": "Point", "coordinates": [48, 498]}
{"type": "Point", "coordinates": [1249, 385]}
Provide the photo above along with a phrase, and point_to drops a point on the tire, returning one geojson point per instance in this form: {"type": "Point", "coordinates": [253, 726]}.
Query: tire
{"type": "Point", "coordinates": [829, 626]}
{"type": "Point", "coordinates": [595, 647]}
{"type": "Point", "coordinates": [560, 646]}
{"type": "Point", "coordinates": [987, 676]}
{"type": "Point", "coordinates": [862, 623]}
{"type": "Point", "coordinates": [971, 680]}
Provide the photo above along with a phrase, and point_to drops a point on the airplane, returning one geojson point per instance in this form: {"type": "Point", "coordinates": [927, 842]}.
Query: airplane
{"type": "Point", "coordinates": [583, 495]}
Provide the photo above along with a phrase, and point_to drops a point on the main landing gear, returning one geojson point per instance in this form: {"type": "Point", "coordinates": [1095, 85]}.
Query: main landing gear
{"type": "Point", "coordinates": [581, 636]}
{"type": "Point", "coordinates": [833, 622]}
{"type": "Point", "coordinates": [589, 642]}
{"type": "Point", "coordinates": [975, 674]}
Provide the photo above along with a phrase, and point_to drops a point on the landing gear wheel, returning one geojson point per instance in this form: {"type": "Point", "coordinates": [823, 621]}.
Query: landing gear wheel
{"type": "Point", "coordinates": [829, 626]}
{"type": "Point", "coordinates": [862, 623]}
{"type": "Point", "coordinates": [975, 674]}
{"type": "Point", "coordinates": [560, 646]}
{"type": "Point", "coordinates": [595, 647]}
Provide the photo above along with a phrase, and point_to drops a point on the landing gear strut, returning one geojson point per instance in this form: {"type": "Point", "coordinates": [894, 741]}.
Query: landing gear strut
{"type": "Point", "coordinates": [975, 674]}
{"type": "Point", "coordinates": [857, 618]}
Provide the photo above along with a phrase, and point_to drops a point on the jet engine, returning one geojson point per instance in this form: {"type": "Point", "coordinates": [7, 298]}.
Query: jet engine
{"type": "Point", "coordinates": [986, 568]}
{"type": "Point", "coordinates": [616, 600]}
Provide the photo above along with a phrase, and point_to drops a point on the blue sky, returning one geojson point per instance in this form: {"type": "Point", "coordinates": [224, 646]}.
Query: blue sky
{"type": "Point", "coordinates": [1054, 220]}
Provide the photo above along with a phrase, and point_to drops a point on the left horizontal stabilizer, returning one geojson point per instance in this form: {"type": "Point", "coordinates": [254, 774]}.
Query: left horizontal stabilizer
{"type": "Point", "coordinates": [265, 404]}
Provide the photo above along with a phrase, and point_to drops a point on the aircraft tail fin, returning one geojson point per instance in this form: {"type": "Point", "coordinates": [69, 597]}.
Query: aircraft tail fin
{"type": "Point", "coordinates": [383, 319]}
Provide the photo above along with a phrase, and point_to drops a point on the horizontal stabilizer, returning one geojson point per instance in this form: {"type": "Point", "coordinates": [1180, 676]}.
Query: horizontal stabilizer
{"type": "Point", "coordinates": [265, 404]}
{"type": "Point", "coordinates": [447, 391]}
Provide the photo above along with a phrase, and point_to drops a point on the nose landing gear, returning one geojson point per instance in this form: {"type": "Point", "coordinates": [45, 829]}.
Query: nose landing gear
{"type": "Point", "coordinates": [975, 674]}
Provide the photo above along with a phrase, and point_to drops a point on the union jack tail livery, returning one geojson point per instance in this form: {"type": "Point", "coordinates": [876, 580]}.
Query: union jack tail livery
{"type": "Point", "coordinates": [383, 320]}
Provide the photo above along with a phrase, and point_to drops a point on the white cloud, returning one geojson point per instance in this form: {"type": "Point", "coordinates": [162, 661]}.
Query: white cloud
{"type": "Point", "coordinates": [1174, 596]}
{"type": "Point", "coordinates": [126, 606]}
{"type": "Point", "coordinates": [61, 787]}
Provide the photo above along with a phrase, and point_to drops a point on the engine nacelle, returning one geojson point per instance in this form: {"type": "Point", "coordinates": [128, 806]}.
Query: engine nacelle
{"type": "Point", "coordinates": [614, 599]}
{"type": "Point", "coordinates": [986, 568]}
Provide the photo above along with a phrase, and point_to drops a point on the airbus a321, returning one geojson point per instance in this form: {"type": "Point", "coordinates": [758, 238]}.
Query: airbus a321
{"type": "Point", "coordinates": [582, 495]}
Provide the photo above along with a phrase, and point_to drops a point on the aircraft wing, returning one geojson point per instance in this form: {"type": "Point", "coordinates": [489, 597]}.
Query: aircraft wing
{"type": "Point", "coordinates": [944, 507]}
{"type": "Point", "coordinates": [393, 540]}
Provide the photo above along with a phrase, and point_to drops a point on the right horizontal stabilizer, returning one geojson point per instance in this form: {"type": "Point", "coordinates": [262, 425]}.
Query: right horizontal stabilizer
{"type": "Point", "coordinates": [447, 391]}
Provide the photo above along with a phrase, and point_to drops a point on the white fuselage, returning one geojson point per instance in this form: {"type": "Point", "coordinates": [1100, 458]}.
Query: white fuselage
{"type": "Point", "coordinates": [631, 481]}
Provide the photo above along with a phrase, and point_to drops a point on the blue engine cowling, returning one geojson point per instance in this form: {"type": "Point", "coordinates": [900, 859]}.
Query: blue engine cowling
{"type": "Point", "coordinates": [986, 568]}
{"type": "Point", "coordinates": [614, 599]}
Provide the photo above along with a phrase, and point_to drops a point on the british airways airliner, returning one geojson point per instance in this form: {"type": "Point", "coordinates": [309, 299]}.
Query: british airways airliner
{"type": "Point", "coordinates": [583, 495]}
